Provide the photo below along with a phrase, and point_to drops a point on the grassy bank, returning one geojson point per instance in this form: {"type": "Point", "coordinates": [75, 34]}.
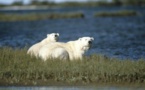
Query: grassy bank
{"type": "Point", "coordinates": [39, 16]}
{"type": "Point", "coordinates": [116, 13]}
{"type": "Point", "coordinates": [17, 68]}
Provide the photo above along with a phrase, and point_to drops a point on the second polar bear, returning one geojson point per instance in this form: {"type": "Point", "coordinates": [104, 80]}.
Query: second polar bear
{"type": "Point", "coordinates": [70, 50]}
{"type": "Point", "coordinates": [34, 49]}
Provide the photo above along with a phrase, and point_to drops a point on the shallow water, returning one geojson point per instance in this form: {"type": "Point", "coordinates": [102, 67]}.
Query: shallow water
{"type": "Point", "coordinates": [71, 88]}
{"type": "Point", "coordinates": [121, 37]}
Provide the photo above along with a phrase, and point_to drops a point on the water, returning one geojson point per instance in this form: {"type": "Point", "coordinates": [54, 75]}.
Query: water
{"type": "Point", "coordinates": [121, 37]}
{"type": "Point", "coordinates": [71, 88]}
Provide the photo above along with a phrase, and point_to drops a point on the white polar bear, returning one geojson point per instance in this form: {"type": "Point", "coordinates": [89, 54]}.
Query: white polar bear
{"type": "Point", "coordinates": [69, 51]}
{"type": "Point", "coordinates": [34, 49]}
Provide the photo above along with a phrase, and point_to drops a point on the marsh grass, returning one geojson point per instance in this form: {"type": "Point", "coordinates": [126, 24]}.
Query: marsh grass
{"type": "Point", "coordinates": [116, 13]}
{"type": "Point", "coordinates": [16, 67]}
{"type": "Point", "coordinates": [39, 16]}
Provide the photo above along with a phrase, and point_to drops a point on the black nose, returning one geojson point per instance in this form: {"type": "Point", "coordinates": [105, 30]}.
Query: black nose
{"type": "Point", "coordinates": [55, 35]}
{"type": "Point", "coordinates": [90, 42]}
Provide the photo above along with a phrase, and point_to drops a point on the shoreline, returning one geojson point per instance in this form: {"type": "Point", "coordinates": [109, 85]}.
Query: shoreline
{"type": "Point", "coordinates": [32, 7]}
{"type": "Point", "coordinates": [45, 7]}
{"type": "Point", "coordinates": [40, 16]}
{"type": "Point", "coordinates": [41, 83]}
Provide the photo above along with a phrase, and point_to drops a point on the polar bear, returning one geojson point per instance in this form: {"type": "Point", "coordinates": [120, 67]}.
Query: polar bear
{"type": "Point", "coordinates": [34, 49]}
{"type": "Point", "coordinates": [69, 51]}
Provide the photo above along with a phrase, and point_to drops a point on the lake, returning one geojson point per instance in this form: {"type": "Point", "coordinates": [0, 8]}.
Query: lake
{"type": "Point", "coordinates": [121, 37]}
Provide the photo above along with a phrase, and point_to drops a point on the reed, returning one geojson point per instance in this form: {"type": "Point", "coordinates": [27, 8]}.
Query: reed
{"type": "Point", "coordinates": [117, 13]}
{"type": "Point", "coordinates": [39, 16]}
{"type": "Point", "coordinates": [18, 68]}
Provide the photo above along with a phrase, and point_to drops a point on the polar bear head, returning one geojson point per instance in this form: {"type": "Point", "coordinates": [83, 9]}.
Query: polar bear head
{"type": "Point", "coordinates": [53, 37]}
{"type": "Point", "coordinates": [85, 43]}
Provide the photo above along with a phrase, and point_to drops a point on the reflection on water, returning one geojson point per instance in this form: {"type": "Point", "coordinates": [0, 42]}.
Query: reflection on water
{"type": "Point", "coordinates": [71, 88]}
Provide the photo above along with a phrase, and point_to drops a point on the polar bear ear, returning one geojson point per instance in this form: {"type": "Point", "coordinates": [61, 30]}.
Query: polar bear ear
{"type": "Point", "coordinates": [47, 35]}
{"type": "Point", "coordinates": [80, 39]}
{"type": "Point", "coordinates": [57, 34]}
{"type": "Point", "coordinates": [92, 38]}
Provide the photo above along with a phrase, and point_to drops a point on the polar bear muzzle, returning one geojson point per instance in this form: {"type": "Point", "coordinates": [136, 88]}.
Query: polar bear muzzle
{"type": "Point", "coordinates": [56, 36]}
{"type": "Point", "coordinates": [90, 42]}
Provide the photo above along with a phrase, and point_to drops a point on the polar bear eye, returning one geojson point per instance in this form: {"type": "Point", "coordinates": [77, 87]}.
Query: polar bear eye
{"type": "Point", "coordinates": [55, 35]}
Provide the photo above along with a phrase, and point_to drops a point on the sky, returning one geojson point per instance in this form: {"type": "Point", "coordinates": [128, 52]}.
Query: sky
{"type": "Point", "coordinates": [27, 1]}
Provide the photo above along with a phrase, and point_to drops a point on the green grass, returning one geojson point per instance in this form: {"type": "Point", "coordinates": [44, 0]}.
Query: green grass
{"type": "Point", "coordinates": [39, 16]}
{"type": "Point", "coordinates": [116, 13]}
{"type": "Point", "coordinates": [18, 68]}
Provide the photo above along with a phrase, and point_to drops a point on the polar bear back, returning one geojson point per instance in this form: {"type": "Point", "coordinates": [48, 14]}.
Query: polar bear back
{"type": "Point", "coordinates": [60, 53]}
{"type": "Point", "coordinates": [34, 49]}
{"type": "Point", "coordinates": [53, 50]}
{"type": "Point", "coordinates": [60, 50]}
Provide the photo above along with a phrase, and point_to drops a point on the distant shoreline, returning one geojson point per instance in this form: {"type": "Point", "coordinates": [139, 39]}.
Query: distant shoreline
{"type": "Point", "coordinates": [57, 15]}
{"type": "Point", "coordinates": [32, 7]}
{"type": "Point", "coordinates": [44, 4]}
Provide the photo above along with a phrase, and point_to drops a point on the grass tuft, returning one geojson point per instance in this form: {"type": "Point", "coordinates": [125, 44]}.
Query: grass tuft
{"type": "Point", "coordinates": [16, 67]}
{"type": "Point", "coordinates": [39, 16]}
{"type": "Point", "coordinates": [117, 13]}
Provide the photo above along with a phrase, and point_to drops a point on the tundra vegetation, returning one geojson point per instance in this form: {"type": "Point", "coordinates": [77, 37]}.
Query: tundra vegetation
{"type": "Point", "coordinates": [18, 68]}
{"type": "Point", "coordinates": [64, 15]}
{"type": "Point", "coordinates": [39, 16]}
{"type": "Point", "coordinates": [116, 13]}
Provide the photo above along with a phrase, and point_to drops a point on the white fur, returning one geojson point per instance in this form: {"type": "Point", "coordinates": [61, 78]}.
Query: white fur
{"type": "Point", "coordinates": [70, 50]}
{"type": "Point", "coordinates": [34, 49]}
